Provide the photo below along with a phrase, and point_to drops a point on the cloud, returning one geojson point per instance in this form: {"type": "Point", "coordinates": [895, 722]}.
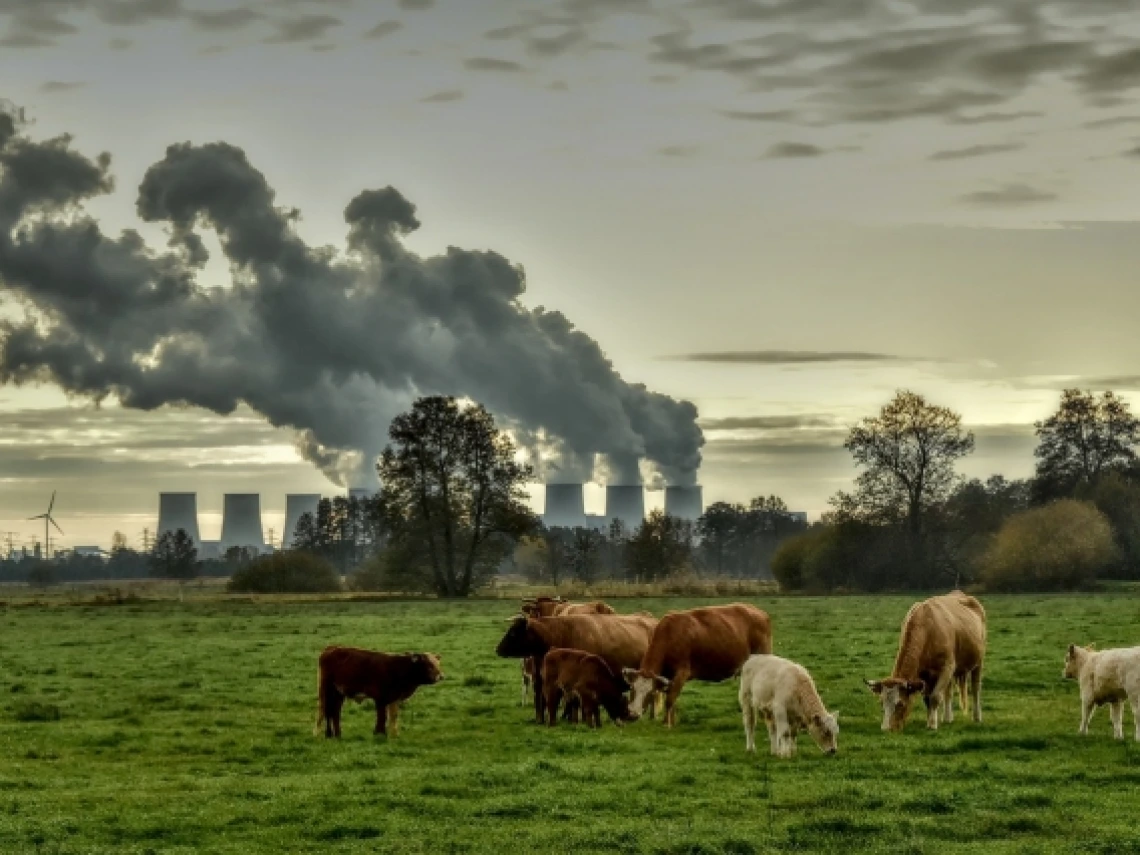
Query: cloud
{"type": "Point", "coordinates": [793, 150]}
{"type": "Point", "coordinates": [759, 115]}
{"type": "Point", "coordinates": [384, 28]}
{"type": "Point", "coordinates": [125, 13]}
{"type": "Point", "coordinates": [489, 64]}
{"type": "Point", "coordinates": [679, 150]}
{"type": "Point", "coordinates": [224, 20]}
{"type": "Point", "coordinates": [789, 357]}
{"type": "Point", "coordinates": [1010, 194]}
{"type": "Point", "coordinates": [445, 97]}
{"type": "Point", "coordinates": [415, 5]}
{"type": "Point", "coordinates": [979, 150]}
{"type": "Point", "coordinates": [1113, 72]}
{"type": "Point", "coordinates": [303, 28]}
{"type": "Point", "coordinates": [61, 86]}
{"type": "Point", "coordinates": [995, 117]}
{"type": "Point", "coordinates": [769, 423]}
{"type": "Point", "coordinates": [35, 26]}
{"type": "Point", "coordinates": [1112, 121]}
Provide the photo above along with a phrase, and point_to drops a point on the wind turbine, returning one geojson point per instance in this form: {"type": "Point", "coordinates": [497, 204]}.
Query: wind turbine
{"type": "Point", "coordinates": [49, 520]}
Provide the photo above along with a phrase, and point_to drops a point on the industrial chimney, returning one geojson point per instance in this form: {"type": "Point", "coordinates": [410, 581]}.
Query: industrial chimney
{"type": "Point", "coordinates": [296, 506]}
{"type": "Point", "coordinates": [626, 503]}
{"type": "Point", "coordinates": [685, 503]}
{"type": "Point", "coordinates": [565, 506]}
{"type": "Point", "coordinates": [241, 522]}
{"type": "Point", "coordinates": [178, 511]}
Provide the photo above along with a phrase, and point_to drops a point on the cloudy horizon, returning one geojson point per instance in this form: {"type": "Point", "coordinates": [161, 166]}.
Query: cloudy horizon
{"type": "Point", "coordinates": [781, 212]}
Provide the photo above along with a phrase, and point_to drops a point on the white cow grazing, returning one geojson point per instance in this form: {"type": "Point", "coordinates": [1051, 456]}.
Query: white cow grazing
{"type": "Point", "coordinates": [1106, 677]}
{"type": "Point", "coordinates": [784, 695]}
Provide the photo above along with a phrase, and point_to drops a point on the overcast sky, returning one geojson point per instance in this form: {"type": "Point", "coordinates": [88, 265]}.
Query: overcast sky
{"type": "Point", "coordinates": [780, 210]}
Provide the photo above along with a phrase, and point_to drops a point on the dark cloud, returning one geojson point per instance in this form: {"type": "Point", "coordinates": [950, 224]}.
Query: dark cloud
{"type": "Point", "coordinates": [1112, 121]}
{"type": "Point", "coordinates": [224, 20]}
{"type": "Point", "coordinates": [444, 97]}
{"type": "Point", "coordinates": [303, 28]}
{"type": "Point", "coordinates": [126, 13]}
{"type": "Point", "coordinates": [330, 346]}
{"type": "Point", "coordinates": [1113, 72]}
{"type": "Point", "coordinates": [794, 149]}
{"type": "Point", "coordinates": [994, 118]}
{"type": "Point", "coordinates": [33, 25]}
{"type": "Point", "coordinates": [788, 357]}
{"type": "Point", "coordinates": [679, 150]}
{"type": "Point", "coordinates": [769, 423]}
{"type": "Point", "coordinates": [384, 28]}
{"type": "Point", "coordinates": [415, 5]}
{"type": "Point", "coordinates": [979, 150]}
{"type": "Point", "coordinates": [1010, 194]}
{"type": "Point", "coordinates": [759, 115]}
{"type": "Point", "coordinates": [61, 86]}
{"type": "Point", "coordinates": [483, 63]}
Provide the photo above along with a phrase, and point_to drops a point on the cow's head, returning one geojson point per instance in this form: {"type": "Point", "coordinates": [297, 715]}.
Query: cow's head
{"type": "Point", "coordinates": [428, 663]}
{"type": "Point", "coordinates": [541, 606]}
{"type": "Point", "coordinates": [641, 689]}
{"type": "Point", "coordinates": [1075, 660]}
{"type": "Point", "coordinates": [824, 729]}
{"type": "Point", "coordinates": [897, 696]}
{"type": "Point", "coordinates": [520, 640]}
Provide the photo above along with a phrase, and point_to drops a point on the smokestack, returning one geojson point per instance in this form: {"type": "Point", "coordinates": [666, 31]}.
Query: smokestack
{"type": "Point", "coordinates": [626, 503]}
{"type": "Point", "coordinates": [241, 521]}
{"type": "Point", "coordinates": [296, 506]}
{"type": "Point", "coordinates": [685, 503]}
{"type": "Point", "coordinates": [564, 506]}
{"type": "Point", "coordinates": [179, 511]}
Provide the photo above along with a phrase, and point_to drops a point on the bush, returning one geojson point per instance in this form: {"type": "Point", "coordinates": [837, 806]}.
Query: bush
{"type": "Point", "coordinates": [1061, 546]}
{"type": "Point", "coordinates": [789, 560]}
{"type": "Point", "coordinates": [43, 575]}
{"type": "Point", "coordinates": [292, 572]}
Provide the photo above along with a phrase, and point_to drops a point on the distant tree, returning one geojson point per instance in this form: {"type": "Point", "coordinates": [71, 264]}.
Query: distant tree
{"type": "Point", "coordinates": [530, 558]}
{"type": "Point", "coordinates": [907, 454]}
{"type": "Point", "coordinates": [585, 554]}
{"type": "Point", "coordinates": [288, 572]}
{"type": "Point", "coordinates": [125, 562]}
{"type": "Point", "coordinates": [1088, 436]}
{"type": "Point", "coordinates": [453, 485]}
{"type": "Point", "coordinates": [42, 575]}
{"type": "Point", "coordinates": [971, 516]}
{"type": "Point", "coordinates": [556, 542]}
{"type": "Point", "coordinates": [661, 547]}
{"type": "Point", "coordinates": [174, 556]}
{"type": "Point", "coordinates": [1117, 496]}
{"type": "Point", "coordinates": [717, 528]}
{"type": "Point", "coordinates": [1061, 546]}
{"type": "Point", "coordinates": [739, 540]}
{"type": "Point", "coordinates": [118, 542]}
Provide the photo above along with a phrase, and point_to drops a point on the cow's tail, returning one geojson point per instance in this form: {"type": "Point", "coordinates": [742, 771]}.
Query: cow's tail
{"type": "Point", "coordinates": [320, 700]}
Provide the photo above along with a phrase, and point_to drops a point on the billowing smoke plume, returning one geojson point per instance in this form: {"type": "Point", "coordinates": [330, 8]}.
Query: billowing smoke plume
{"type": "Point", "coordinates": [332, 345]}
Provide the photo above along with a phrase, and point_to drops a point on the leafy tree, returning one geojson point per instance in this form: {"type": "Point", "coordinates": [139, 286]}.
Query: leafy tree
{"type": "Point", "coordinates": [42, 575]}
{"type": "Point", "coordinates": [661, 547]}
{"type": "Point", "coordinates": [557, 554]}
{"type": "Point", "coordinates": [530, 558]}
{"type": "Point", "coordinates": [1088, 436]}
{"type": "Point", "coordinates": [585, 554]}
{"type": "Point", "coordinates": [717, 528]}
{"type": "Point", "coordinates": [907, 454]}
{"type": "Point", "coordinates": [174, 556]}
{"type": "Point", "coordinates": [288, 572]}
{"type": "Point", "coordinates": [453, 491]}
{"type": "Point", "coordinates": [1118, 498]}
{"type": "Point", "coordinates": [345, 531]}
{"type": "Point", "coordinates": [1060, 546]}
{"type": "Point", "coordinates": [741, 540]}
{"type": "Point", "coordinates": [971, 515]}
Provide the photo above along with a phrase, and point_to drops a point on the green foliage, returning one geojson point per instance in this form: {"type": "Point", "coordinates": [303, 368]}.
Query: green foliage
{"type": "Point", "coordinates": [42, 575]}
{"type": "Point", "coordinates": [212, 728]}
{"type": "Point", "coordinates": [1118, 498]}
{"type": "Point", "coordinates": [291, 572]}
{"type": "Point", "coordinates": [1061, 546]}
{"type": "Point", "coordinates": [661, 547]}
{"type": "Point", "coordinates": [741, 540]}
{"type": "Point", "coordinates": [790, 560]}
{"type": "Point", "coordinates": [174, 556]}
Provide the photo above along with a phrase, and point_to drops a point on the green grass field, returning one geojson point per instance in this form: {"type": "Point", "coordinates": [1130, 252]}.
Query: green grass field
{"type": "Point", "coordinates": [187, 727]}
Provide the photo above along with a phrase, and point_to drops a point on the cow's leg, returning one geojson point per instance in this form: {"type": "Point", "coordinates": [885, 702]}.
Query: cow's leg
{"type": "Point", "coordinates": [394, 718]}
{"type": "Point", "coordinates": [539, 696]}
{"type": "Point", "coordinates": [552, 694]}
{"type": "Point", "coordinates": [934, 701]}
{"type": "Point", "coordinates": [1087, 710]}
{"type": "Point", "coordinates": [770, 723]}
{"type": "Point", "coordinates": [976, 690]}
{"type": "Point", "coordinates": [964, 693]}
{"type": "Point", "coordinates": [948, 704]}
{"type": "Point", "coordinates": [783, 733]}
{"type": "Point", "coordinates": [334, 701]}
{"type": "Point", "coordinates": [525, 683]}
{"type": "Point", "coordinates": [381, 718]}
{"type": "Point", "coordinates": [1135, 699]}
{"type": "Point", "coordinates": [748, 712]}
{"type": "Point", "coordinates": [671, 695]}
{"type": "Point", "coordinates": [1116, 710]}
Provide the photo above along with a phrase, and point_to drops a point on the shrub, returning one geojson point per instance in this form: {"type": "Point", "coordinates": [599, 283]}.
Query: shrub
{"type": "Point", "coordinates": [293, 572]}
{"type": "Point", "coordinates": [43, 575]}
{"type": "Point", "coordinates": [1060, 546]}
{"type": "Point", "coordinates": [789, 560]}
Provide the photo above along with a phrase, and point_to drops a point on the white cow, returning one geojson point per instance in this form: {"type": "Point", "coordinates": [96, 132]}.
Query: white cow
{"type": "Point", "coordinates": [784, 695]}
{"type": "Point", "coordinates": [1106, 677]}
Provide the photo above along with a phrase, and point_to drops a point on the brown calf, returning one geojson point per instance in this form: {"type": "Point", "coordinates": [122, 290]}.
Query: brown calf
{"type": "Point", "coordinates": [389, 679]}
{"type": "Point", "coordinates": [575, 674]}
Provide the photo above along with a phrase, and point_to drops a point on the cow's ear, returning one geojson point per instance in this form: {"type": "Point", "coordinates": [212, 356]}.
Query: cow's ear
{"type": "Point", "coordinates": [1072, 649]}
{"type": "Point", "coordinates": [662, 683]}
{"type": "Point", "coordinates": [875, 686]}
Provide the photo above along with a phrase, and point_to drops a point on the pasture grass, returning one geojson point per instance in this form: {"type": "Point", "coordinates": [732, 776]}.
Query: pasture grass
{"type": "Point", "coordinates": [167, 727]}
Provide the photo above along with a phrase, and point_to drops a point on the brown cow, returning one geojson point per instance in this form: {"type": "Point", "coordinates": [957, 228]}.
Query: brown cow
{"type": "Point", "coordinates": [619, 639]}
{"type": "Point", "coordinates": [587, 678]}
{"type": "Point", "coordinates": [943, 642]}
{"type": "Point", "coordinates": [709, 644]}
{"type": "Point", "coordinates": [546, 606]}
{"type": "Point", "coordinates": [389, 679]}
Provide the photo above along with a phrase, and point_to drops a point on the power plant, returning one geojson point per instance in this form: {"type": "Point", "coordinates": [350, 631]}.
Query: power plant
{"type": "Point", "coordinates": [179, 511]}
{"type": "Point", "coordinates": [685, 503]}
{"type": "Point", "coordinates": [241, 522]}
{"type": "Point", "coordinates": [565, 507]}
{"type": "Point", "coordinates": [296, 506]}
{"type": "Point", "coordinates": [626, 502]}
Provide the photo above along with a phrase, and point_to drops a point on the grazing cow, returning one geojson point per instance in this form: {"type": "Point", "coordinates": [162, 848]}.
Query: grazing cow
{"type": "Point", "coordinates": [943, 643]}
{"type": "Point", "coordinates": [586, 678]}
{"type": "Point", "coordinates": [1106, 677]}
{"type": "Point", "coordinates": [389, 679]}
{"type": "Point", "coordinates": [708, 644]}
{"type": "Point", "coordinates": [545, 606]}
{"type": "Point", "coordinates": [620, 640]}
{"type": "Point", "coordinates": [784, 695]}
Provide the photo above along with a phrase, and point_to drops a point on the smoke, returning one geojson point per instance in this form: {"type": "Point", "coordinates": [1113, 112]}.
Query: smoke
{"type": "Point", "coordinates": [330, 344]}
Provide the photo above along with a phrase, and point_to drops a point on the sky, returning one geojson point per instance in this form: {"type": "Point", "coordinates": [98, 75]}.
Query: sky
{"type": "Point", "coordinates": [781, 211]}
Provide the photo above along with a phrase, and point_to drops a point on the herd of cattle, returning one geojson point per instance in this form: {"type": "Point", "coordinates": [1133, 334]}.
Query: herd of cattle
{"type": "Point", "coordinates": [585, 658]}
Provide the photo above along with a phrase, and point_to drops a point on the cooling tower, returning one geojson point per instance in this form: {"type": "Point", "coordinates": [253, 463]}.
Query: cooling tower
{"type": "Point", "coordinates": [179, 511]}
{"type": "Point", "coordinates": [296, 506]}
{"type": "Point", "coordinates": [565, 507]}
{"type": "Point", "coordinates": [241, 521]}
{"type": "Point", "coordinates": [626, 503]}
{"type": "Point", "coordinates": [684, 503]}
